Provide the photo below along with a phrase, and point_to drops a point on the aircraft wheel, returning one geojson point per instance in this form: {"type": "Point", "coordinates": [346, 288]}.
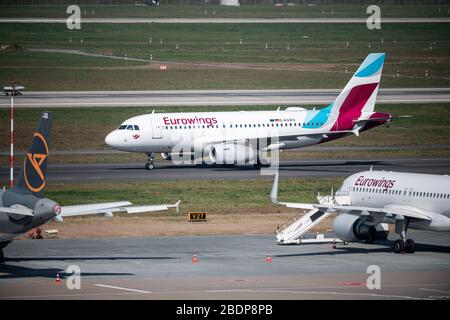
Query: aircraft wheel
{"type": "Point", "coordinates": [410, 246]}
{"type": "Point", "coordinates": [399, 246]}
{"type": "Point", "coordinates": [370, 239]}
{"type": "Point", "coordinates": [2, 257]}
{"type": "Point", "coordinates": [149, 166]}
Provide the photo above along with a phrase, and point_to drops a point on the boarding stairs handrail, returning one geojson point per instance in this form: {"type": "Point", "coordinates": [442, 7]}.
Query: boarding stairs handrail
{"type": "Point", "coordinates": [297, 226]}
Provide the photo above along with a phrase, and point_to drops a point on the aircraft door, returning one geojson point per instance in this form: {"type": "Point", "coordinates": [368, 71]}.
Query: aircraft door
{"type": "Point", "coordinates": [156, 127]}
{"type": "Point", "coordinates": [406, 193]}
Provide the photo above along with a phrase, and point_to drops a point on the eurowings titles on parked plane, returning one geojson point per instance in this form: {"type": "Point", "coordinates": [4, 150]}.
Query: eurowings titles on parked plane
{"type": "Point", "coordinates": [371, 198]}
{"type": "Point", "coordinates": [24, 207]}
{"type": "Point", "coordinates": [243, 137]}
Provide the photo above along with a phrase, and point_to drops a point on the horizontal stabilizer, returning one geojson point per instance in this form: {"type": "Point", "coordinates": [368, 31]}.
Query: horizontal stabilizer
{"type": "Point", "coordinates": [382, 118]}
{"type": "Point", "coordinates": [19, 211]}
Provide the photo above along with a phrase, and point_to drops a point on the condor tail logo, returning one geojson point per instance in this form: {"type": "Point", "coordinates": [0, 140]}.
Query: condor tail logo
{"type": "Point", "coordinates": [35, 164]}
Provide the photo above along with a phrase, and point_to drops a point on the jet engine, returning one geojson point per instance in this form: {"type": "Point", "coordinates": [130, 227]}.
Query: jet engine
{"type": "Point", "coordinates": [166, 156]}
{"type": "Point", "coordinates": [230, 153]}
{"type": "Point", "coordinates": [349, 228]}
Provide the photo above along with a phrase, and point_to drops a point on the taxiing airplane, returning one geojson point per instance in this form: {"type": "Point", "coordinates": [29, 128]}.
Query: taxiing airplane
{"type": "Point", "coordinates": [223, 137]}
{"type": "Point", "coordinates": [24, 207]}
{"type": "Point", "coordinates": [370, 198]}
{"type": "Point", "coordinates": [13, 89]}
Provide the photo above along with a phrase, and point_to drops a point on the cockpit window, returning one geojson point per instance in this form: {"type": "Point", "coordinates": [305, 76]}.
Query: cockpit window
{"type": "Point", "coordinates": [122, 127]}
{"type": "Point", "coordinates": [130, 127]}
{"type": "Point", "coordinates": [136, 127]}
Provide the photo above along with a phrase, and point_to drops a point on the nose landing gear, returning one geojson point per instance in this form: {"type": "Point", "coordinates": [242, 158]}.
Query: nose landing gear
{"type": "Point", "coordinates": [149, 165]}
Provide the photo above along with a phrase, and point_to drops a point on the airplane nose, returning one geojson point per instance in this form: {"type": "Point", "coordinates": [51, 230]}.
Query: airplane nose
{"type": "Point", "coordinates": [110, 140]}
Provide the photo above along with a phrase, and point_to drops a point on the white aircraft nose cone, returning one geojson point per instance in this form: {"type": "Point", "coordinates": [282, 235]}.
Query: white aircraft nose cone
{"type": "Point", "coordinates": [110, 140]}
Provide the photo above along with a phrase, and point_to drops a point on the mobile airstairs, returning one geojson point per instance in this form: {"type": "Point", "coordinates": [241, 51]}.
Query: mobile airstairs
{"type": "Point", "coordinates": [295, 229]}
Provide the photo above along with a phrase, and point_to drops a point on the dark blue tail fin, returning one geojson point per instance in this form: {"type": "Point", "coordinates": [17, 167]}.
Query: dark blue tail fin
{"type": "Point", "coordinates": [32, 176]}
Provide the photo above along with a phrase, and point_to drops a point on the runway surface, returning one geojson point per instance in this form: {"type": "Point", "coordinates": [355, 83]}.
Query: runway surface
{"type": "Point", "coordinates": [229, 267]}
{"type": "Point", "coordinates": [224, 20]}
{"type": "Point", "coordinates": [165, 170]}
{"type": "Point", "coordinates": [213, 97]}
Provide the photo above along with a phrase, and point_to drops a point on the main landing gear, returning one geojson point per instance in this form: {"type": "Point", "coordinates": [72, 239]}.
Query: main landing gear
{"type": "Point", "coordinates": [260, 164]}
{"type": "Point", "coordinates": [403, 245]}
{"type": "Point", "coordinates": [149, 165]}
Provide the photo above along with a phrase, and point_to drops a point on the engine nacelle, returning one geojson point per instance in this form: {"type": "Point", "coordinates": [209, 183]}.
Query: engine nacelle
{"type": "Point", "coordinates": [349, 228]}
{"type": "Point", "coordinates": [230, 153]}
{"type": "Point", "coordinates": [166, 156]}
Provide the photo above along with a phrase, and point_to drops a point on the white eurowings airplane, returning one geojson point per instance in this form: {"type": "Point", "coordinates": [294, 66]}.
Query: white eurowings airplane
{"type": "Point", "coordinates": [24, 207]}
{"type": "Point", "coordinates": [224, 137]}
{"type": "Point", "coordinates": [367, 199]}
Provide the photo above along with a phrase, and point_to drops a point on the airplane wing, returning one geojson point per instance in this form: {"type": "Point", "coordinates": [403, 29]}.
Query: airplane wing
{"type": "Point", "coordinates": [108, 208]}
{"type": "Point", "coordinates": [388, 211]}
{"type": "Point", "coordinates": [319, 133]}
{"type": "Point", "coordinates": [19, 211]}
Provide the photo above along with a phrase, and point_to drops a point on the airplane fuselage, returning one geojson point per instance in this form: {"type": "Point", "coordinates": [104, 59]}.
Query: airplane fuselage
{"type": "Point", "coordinates": [166, 131]}
{"type": "Point", "coordinates": [422, 193]}
{"type": "Point", "coordinates": [12, 226]}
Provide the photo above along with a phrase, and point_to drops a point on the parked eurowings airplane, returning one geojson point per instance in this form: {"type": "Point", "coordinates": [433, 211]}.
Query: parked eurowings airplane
{"type": "Point", "coordinates": [24, 207]}
{"type": "Point", "coordinates": [367, 199]}
{"type": "Point", "coordinates": [223, 136]}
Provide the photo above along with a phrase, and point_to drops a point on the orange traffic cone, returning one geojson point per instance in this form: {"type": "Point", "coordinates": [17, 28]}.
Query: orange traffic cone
{"type": "Point", "coordinates": [269, 257]}
{"type": "Point", "coordinates": [334, 243]}
{"type": "Point", "coordinates": [194, 258]}
{"type": "Point", "coordinates": [58, 279]}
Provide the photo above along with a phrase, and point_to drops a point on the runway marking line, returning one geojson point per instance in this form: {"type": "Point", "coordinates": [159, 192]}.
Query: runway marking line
{"type": "Point", "coordinates": [375, 295]}
{"type": "Point", "coordinates": [121, 288]}
{"type": "Point", "coordinates": [352, 284]}
{"type": "Point", "coordinates": [434, 290]}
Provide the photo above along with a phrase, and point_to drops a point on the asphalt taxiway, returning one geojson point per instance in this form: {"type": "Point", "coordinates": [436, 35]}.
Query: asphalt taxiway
{"type": "Point", "coordinates": [228, 267]}
{"type": "Point", "coordinates": [165, 170]}
{"type": "Point", "coordinates": [214, 97]}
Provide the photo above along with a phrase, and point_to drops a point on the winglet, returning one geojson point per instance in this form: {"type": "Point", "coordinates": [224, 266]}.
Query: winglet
{"type": "Point", "coordinates": [176, 206]}
{"type": "Point", "coordinates": [274, 191]}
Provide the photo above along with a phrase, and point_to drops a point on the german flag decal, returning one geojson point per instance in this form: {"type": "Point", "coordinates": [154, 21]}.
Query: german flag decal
{"type": "Point", "coordinates": [35, 164]}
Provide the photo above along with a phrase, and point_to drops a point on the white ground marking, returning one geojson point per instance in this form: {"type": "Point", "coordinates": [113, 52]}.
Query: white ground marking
{"type": "Point", "coordinates": [375, 295]}
{"type": "Point", "coordinates": [121, 288]}
{"type": "Point", "coordinates": [434, 290]}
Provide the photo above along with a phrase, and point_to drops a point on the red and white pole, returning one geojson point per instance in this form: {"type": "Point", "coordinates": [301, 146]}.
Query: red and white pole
{"type": "Point", "coordinates": [11, 157]}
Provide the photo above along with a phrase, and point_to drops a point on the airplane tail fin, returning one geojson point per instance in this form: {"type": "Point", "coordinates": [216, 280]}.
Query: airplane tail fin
{"type": "Point", "coordinates": [357, 100]}
{"type": "Point", "coordinates": [32, 176]}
